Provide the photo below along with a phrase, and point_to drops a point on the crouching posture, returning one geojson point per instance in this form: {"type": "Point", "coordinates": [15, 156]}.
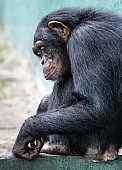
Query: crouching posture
{"type": "Point", "coordinates": [81, 50]}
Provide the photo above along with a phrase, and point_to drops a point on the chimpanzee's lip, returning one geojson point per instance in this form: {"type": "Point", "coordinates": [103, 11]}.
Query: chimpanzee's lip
{"type": "Point", "coordinates": [48, 75]}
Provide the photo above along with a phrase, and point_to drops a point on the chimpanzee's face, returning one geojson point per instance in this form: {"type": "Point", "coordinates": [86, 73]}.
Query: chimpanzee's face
{"type": "Point", "coordinates": [50, 44]}
{"type": "Point", "coordinates": [50, 60]}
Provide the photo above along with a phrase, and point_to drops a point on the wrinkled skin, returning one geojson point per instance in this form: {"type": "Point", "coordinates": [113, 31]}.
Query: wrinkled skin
{"type": "Point", "coordinates": [29, 148]}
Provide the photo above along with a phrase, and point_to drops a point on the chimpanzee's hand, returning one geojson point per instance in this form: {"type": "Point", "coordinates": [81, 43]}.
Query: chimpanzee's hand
{"type": "Point", "coordinates": [28, 147]}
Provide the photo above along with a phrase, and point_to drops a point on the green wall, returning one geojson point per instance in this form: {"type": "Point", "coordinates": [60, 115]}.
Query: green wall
{"type": "Point", "coordinates": [49, 162]}
{"type": "Point", "coordinates": [20, 18]}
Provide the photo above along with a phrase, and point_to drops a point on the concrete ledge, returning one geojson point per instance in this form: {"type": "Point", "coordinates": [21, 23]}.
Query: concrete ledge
{"type": "Point", "coordinates": [49, 162]}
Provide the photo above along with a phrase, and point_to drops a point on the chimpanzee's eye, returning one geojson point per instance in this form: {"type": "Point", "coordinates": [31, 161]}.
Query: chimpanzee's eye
{"type": "Point", "coordinates": [42, 48]}
{"type": "Point", "coordinates": [41, 51]}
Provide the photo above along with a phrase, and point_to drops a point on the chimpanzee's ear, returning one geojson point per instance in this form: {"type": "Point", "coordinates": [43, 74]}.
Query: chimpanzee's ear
{"type": "Point", "coordinates": [60, 28]}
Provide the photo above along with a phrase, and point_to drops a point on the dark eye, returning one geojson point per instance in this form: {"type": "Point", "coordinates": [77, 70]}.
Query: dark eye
{"type": "Point", "coordinates": [41, 50]}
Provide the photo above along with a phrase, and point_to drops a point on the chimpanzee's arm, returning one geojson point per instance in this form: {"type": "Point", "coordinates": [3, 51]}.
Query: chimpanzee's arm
{"type": "Point", "coordinates": [74, 119]}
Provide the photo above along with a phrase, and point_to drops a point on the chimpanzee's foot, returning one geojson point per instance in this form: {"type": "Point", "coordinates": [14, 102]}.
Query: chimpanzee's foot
{"type": "Point", "coordinates": [95, 154]}
{"type": "Point", "coordinates": [55, 149]}
{"type": "Point", "coordinates": [110, 154]}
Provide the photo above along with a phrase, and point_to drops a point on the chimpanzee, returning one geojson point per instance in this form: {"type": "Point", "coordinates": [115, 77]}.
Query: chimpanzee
{"type": "Point", "coordinates": [81, 50]}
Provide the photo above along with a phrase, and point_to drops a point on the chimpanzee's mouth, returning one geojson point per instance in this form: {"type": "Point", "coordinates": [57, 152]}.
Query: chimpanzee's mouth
{"type": "Point", "coordinates": [49, 75]}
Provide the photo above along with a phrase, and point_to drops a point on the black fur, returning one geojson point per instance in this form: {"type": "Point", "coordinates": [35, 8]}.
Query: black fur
{"type": "Point", "coordinates": [86, 105]}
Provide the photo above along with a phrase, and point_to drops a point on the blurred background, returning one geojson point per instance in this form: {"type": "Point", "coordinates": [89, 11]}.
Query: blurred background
{"type": "Point", "coordinates": [21, 82]}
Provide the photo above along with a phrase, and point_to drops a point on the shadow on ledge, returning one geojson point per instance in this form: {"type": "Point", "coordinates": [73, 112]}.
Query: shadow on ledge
{"type": "Point", "coordinates": [50, 162]}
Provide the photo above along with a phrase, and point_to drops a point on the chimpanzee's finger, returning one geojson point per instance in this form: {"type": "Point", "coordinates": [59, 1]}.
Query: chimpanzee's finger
{"type": "Point", "coordinates": [32, 145]}
{"type": "Point", "coordinates": [30, 153]}
{"type": "Point", "coordinates": [27, 153]}
{"type": "Point", "coordinates": [33, 153]}
{"type": "Point", "coordinates": [39, 143]}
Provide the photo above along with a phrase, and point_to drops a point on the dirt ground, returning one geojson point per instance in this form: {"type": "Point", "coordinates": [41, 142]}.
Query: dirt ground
{"type": "Point", "coordinates": [19, 93]}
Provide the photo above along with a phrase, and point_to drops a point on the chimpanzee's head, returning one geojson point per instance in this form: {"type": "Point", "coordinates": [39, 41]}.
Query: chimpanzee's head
{"type": "Point", "coordinates": [50, 44]}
